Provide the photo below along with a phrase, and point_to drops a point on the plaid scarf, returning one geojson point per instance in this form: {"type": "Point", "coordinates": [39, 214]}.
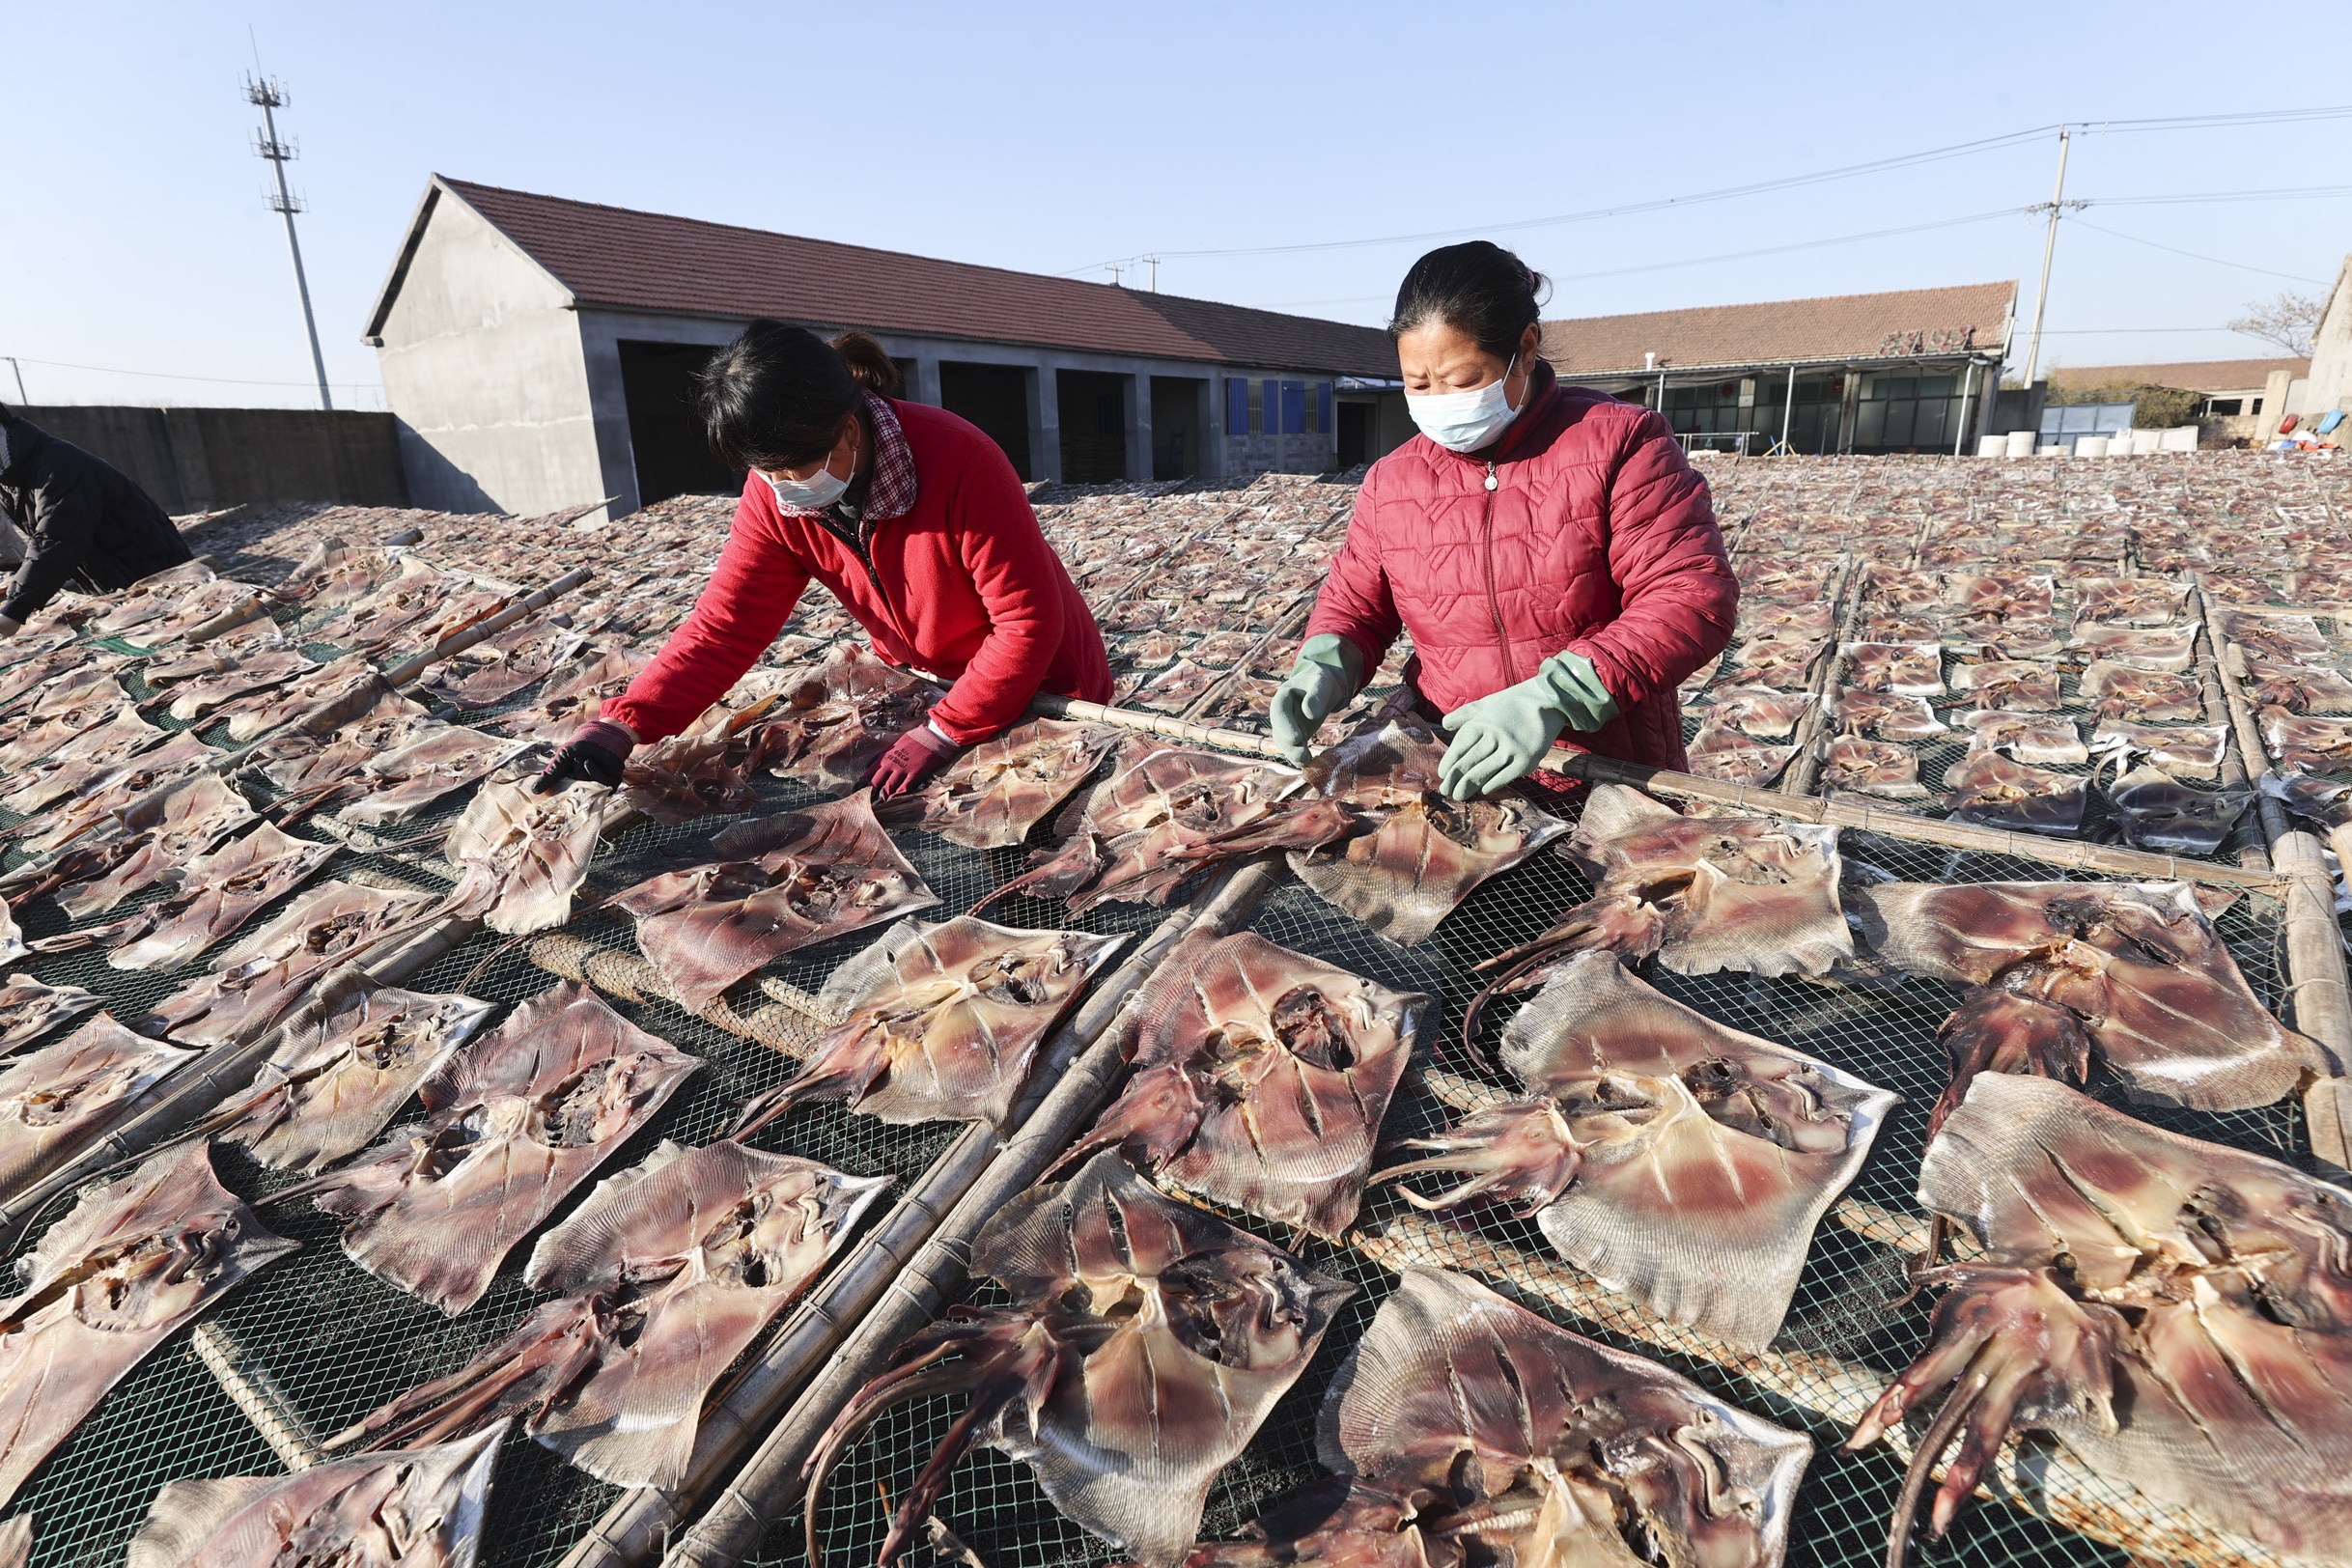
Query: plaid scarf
{"type": "Point", "coordinates": [892, 491]}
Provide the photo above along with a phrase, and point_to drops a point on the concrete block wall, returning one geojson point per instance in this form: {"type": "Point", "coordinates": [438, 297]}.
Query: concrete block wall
{"type": "Point", "coordinates": [199, 460]}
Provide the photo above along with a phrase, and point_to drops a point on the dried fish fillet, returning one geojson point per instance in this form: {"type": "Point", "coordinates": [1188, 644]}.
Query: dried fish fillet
{"type": "Point", "coordinates": [1259, 1079]}
{"type": "Point", "coordinates": [2143, 696]}
{"type": "Point", "coordinates": [58, 774]}
{"type": "Point", "coordinates": [2158, 813]}
{"type": "Point", "coordinates": [151, 840]}
{"type": "Point", "coordinates": [1986, 787]}
{"type": "Point", "coordinates": [1871, 767]}
{"type": "Point", "coordinates": [1758, 711]}
{"type": "Point", "coordinates": [222, 891]}
{"type": "Point", "coordinates": [575, 696]}
{"type": "Point", "coordinates": [789, 880]}
{"type": "Point", "coordinates": [1518, 1441]}
{"type": "Point", "coordinates": [2309, 745]}
{"type": "Point", "coordinates": [29, 1010]}
{"type": "Point", "coordinates": [2009, 595]}
{"type": "Point", "coordinates": [1675, 1160]}
{"type": "Point", "coordinates": [1732, 758]}
{"type": "Point", "coordinates": [993, 795]}
{"type": "Point", "coordinates": [334, 1080]}
{"type": "Point", "coordinates": [521, 854]}
{"type": "Point", "coordinates": [1148, 1342]}
{"type": "Point", "coordinates": [1756, 894]}
{"type": "Point", "coordinates": [432, 762]}
{"type": "Point", "coordinates": [497, 668]}
{"type": "Point", "coordinates": [2278, 638]}
{"type": "Point", "coordinates": [2019, 686]}
{"type": "Point", "coordinates": [2171, 1311]}
{"type": "Point", "coordinates": [834, 723]}
{"type": "Point", "coordinates": [2167, 648]}
{"type": "Point", "coordinates": [54, 1101]}
{"type": "Point", "coordinates": [197, 698]}
{"type": "Point", "coordinates": [1906, 670]}
{"type": "Point", "coordinates": [1783, 664]}
{"type": "Point", "coordinates": [110, 792]}
{"type": "Point", "coordinates": [1420, 853]}
{"type": "Point", "coordinates": [2297, 688]}
{"type": "Point", "coordinates": [2129, 601]}
{"type": "Point", "coordinates": [2043, 739]}
{"type": "Point", "coordinates": [2195, 750]}
{"type": "Point", "coordinates": [266, 974]}
{"type": "Point", "coordinates": [1888, 716]}
{"type": "Point", "coordinates": [1795, 620]}
{"type": "Point", "coordinates": [423, 1508]}
{"type": "Point", "coordinates": [252, 715]}
{"type": "Point", "coordinates": [940, 1023]}
{"type": "Point", "coordinates": [511, 1127]}
{"type": "Point", "coordinates": [2162, 998]}
{"type": "Point", "coordinates": [134, 1262]}
{"type": "Point", "coordinates": [665, 1275]}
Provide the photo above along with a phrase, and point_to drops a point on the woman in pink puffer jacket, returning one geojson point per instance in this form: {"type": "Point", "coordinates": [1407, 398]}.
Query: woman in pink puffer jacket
{"type": "Point", "coordinates": [1553, 552]}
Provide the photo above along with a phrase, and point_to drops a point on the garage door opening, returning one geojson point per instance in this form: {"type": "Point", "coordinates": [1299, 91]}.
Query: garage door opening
{"type": "Point", "coordinates": [1176, 424]}
{"type": "Point", "coordinates": [997, 399]}
{"type": "Point", "coordinates": [673, 457]}
{"type": "Point", "coordinates": [1093, 409]}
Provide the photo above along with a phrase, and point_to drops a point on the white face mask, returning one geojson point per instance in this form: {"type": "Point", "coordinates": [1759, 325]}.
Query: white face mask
{"type": "Point", "coordinates": [1466, 421]}
{"type": "Point", "coordinates": [816, 491]}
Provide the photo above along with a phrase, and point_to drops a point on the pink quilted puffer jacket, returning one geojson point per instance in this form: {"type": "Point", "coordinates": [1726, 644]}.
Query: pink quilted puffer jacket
{"type": "Point", "coordinates": [1583, 528]}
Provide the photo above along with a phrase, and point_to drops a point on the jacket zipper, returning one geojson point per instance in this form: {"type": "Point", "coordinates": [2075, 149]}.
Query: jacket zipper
{"type": "Point", "coordinates": [1494, 604]}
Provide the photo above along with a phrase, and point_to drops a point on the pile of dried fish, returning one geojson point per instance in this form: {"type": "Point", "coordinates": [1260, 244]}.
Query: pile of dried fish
{"type": "Point", "coordinates": [992, 794]}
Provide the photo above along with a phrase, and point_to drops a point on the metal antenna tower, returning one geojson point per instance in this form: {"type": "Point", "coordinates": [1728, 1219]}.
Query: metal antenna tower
{"type": "Point", "coordinates": [269, 94]}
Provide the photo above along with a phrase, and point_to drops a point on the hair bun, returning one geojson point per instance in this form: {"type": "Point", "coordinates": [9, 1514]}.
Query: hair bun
{"type": "Point", "coordinates": [870, 363]}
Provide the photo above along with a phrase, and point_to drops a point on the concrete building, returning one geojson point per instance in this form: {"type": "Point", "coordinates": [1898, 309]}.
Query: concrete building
{"type": "Point", "coordinates": [2236, 399]}
{"type": "Point", "coordinates": [538, 352]}
{"type": "Point", "coordinates": [2329, 387]}
{"type": "Point", "coordinates": [1908, 371]}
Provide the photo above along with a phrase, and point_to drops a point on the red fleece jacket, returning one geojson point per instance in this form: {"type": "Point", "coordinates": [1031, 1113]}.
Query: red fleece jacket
{"type": "Point", "coordinates": [962, 585]}
{"type": "Point", "coordinates": [1597, 536]}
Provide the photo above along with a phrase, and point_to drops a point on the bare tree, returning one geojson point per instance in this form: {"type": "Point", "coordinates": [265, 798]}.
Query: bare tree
{"type": "Point", "coordinates": [2288, 320]}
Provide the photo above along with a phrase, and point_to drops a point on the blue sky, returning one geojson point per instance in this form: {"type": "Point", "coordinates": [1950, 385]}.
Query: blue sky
{"type": "Point", "coordinates": [1055, 137]}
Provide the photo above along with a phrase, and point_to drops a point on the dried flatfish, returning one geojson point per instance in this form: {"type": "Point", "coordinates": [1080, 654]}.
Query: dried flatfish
{"type": "Point", "coordinates": [1886, 716]}
{"type": "Point", "coordinates": [423, 1508]}
{"type": "Point", "coordinates": [2002, 641]}
{"type": "Point", "coordinates": [1164, 816]}
{"type": "Point", "coordinates": [432, 762]}
{"type": "Point", "coordinates": [1468, 1430]}
{"type": "Point", "coordinates": [39, 782]}
{"type": "Point", "coordinates": [788, 880]}
{"type": "Point", "coordinates": [1758, 711]}
{"type": "Point", "coordinates": [832, 725]}
{"type": "Point", "coordinates": [2138, 963]}
{"type": "Point", "coordinates": [2143, 696]}
{"type": "Point", "coordinates": [939, 1023]}
{"type": "Point", "coordinates": [1766, 619]}
{"type": "Point", "coordinates": [1259, 1079]}
{"type": "Point", "coordinates": [1675, 1159]}
{"type": "Point", "coordinates": [665, 1275]}
{"type": "Point", "coordinates": [37, 671]}
{"type": "Point", "coordinates": [1754, 894]}
{"type": "Point", "coordinates": [1899, 625]}
{"type": "Point", "coordinates": [198, 697]}
{"type": "Point", "coordinates": [153, 839]}
{"type": "Point", "coordinates": [1148, 1343]}
{"type": "Point", "coordinates": [265, 973]}
{"type": "Point", "coordinates": [2001, 595]}
{"type": "Point", "coordinates": [1906, 670]}
{"type": "Point", "coordinates": [511, 1126]}
{"type": "Point", "coordinates": [521, 854]}
{"type": "Point", "coordinates": [2158, 813]}
{"type": "Point", "coordinates": [1879, 768]}
{"type": "Point", "coordinates": [299, 762]}
{"type": "Point", "coordinates": [2195, 751]}
{"type": "Point", "coordinates": [1175, 688]}
{"type": "Point", "coordinates": [2129, 601]}
{"type": "Point", "coordinates": [1783, 664]}
{"type": "Point", "coordinates": [2309, 745]}
{"type": "Point", "coordinates": [1783, 581]}
{"type": "Point", "coordinates": [55, 1100]}
{"type": "Point", "coordinates": [992, 796]}
{"type": "Point", "coordinates": [701, 772]}
{"type": "Point", "coordinates": [499, 667]}
{"type": "Point", "coordinates": [570, 697]}
{"type": "Point", "coordinates": [1986, 787]}
{"type": "Point", "coordinates": [1420, 853]}
{"type": "Point", "coordinates": [29, 1010]}
{"type": "Point", "coordinates": [334, 1080]}
{"type": "Point", "coordinates": [132, 1264]}
{"type": "Point", "coordinates": [220, 892]}
{"type": "Point", "coordinates": [2164, 649]}
{"type": "Point", "coordinates": [2298, 689]}
{"type": "Point", "coordinates": [2043, 739]}
{"type": "Point", "coordinates": [2326, 805]}
{"type": "Point", "coordinates": [2021, 686]}
{"type": "Point", "coordinates": [2278, 639]}
{"type": "Point", "coordinates": [258, 713]}
{"type": "Point", "coordinates": [1731, 757]}
{"type": "Point", "coordinates": [2170, 1310]}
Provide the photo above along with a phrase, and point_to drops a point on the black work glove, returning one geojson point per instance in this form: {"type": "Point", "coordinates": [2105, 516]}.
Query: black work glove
{"type": "Point", "coordinates": [598, 752]}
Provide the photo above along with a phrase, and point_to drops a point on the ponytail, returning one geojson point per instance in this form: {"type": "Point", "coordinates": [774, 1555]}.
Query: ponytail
{"type": "Point", "coordinates": [870, 365]}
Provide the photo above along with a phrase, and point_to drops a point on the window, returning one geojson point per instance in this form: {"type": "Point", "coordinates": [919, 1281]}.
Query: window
{"type": "Point", "coordinates": [1237, 406]}
{"type": "Point", "coordinates": [1908, 413]}
{"type": "Point", "coordinates": [1258, 425]}
{"type": "Point", "coordinates": [2066, 423]}
{"type": "Point", "coordinates": [2221, 408]}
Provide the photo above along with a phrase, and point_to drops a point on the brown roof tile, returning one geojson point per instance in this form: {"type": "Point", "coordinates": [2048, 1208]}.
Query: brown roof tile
{"type": "Point", "coordinates": [2193, 376]}
{"type": "Point", "coordinates": [651, 262]}
{"type": "Point", "coordinates": [1839, 326]}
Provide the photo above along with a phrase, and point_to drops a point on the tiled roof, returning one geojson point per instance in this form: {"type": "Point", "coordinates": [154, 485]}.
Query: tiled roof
{"type": "Point", "coordinates": [649, 262]}
{"type": "Point", "coordinates": [1839, 326]}
{"type": "Point", "coordinates": [2193, 376]}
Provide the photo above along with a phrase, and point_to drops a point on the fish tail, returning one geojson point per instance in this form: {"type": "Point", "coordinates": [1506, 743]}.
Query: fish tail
{"type": "Point", "coordinates": [1932, 1443]}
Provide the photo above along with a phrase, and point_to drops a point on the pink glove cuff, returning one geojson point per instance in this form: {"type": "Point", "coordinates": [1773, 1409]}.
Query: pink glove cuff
{"type": "Point", "coordinates": [616, 738]}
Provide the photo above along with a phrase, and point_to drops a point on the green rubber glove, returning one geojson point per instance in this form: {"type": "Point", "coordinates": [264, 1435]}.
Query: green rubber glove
{"type": "Point", "coordinates": [1328, 672]}
{"type": "Point", "coordinates": [1501, 738]}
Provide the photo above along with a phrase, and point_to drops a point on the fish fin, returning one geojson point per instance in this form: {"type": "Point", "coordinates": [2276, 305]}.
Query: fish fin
{"type": "Point", "coordinates": [187, 1515]}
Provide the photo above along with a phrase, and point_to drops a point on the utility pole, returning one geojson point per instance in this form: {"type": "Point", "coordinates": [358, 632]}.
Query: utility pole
{"type": "Point", "coordinates": [2056, 204]}
{"type": "Point", "coordinates": [1155, 261]}
{"type": "Point", "coordinates": [19, 369]}
{"type": "Point", "coordinates": [269, 94]}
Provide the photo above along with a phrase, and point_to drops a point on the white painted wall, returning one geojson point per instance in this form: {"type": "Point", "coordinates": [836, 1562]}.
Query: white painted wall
{"type": "Point", "coordinates": [2330, 383]}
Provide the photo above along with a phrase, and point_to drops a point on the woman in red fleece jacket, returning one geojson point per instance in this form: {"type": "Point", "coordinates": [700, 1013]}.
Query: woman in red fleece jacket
{"type": "Point", "coordinates": [910, 514]}
{"type": "Point", "coordinates": [1553, 556]}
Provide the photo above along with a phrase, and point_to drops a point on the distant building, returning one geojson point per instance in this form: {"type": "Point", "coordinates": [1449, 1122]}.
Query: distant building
{"type": "Point", "coordinates": [1910, 371]}
{"type": "Point", "coordinates": [2330, 384]}
{"type": "Point", "coordinates": [537, 352]}
{"type": "Point", "coordinates": [2234, 399]}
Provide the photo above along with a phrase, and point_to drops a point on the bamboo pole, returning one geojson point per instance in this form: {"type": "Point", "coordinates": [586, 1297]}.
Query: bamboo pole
{"type": "Point", "coordinates": [1804, 768]}
{"type": "Point", "coordinates": [2319, 999]}
{"type": "Point", "coordinates": [2235, 773]}
{"type": "Point", "coordinates": [490, 625]}
{"type": "Point", "coordinates": [257, 1395]}
{"type": "Point", "coordinates": [770, 1485]}
{"type": "Point", "coordinates": [2105, 860]}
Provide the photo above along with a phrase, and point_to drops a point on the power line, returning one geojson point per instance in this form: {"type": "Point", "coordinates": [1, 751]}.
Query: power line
{"type": "Point", "coordinates": [172, 376]}
{"type": "Point", "coordinates": [2195, 256]}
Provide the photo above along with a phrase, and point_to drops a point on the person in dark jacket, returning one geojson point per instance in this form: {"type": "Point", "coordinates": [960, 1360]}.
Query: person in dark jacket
{"type": "Point", "coordinates": [84, 520]}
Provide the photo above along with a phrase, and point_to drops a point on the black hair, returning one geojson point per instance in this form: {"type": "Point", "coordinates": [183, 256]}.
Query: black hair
{"type": "Point", "coordinates": [1477, 288]}
{"type": "Point", "coordinates": [775, 397]}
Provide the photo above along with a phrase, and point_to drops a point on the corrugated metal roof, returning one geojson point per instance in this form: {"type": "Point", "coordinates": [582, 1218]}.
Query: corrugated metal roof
{"type": "Point", "coordinates": [627, 260]}
{"type": "Point", "coordinates": [1837, 327]}
{"type": "Point", "coordinates": [2193, 376]}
